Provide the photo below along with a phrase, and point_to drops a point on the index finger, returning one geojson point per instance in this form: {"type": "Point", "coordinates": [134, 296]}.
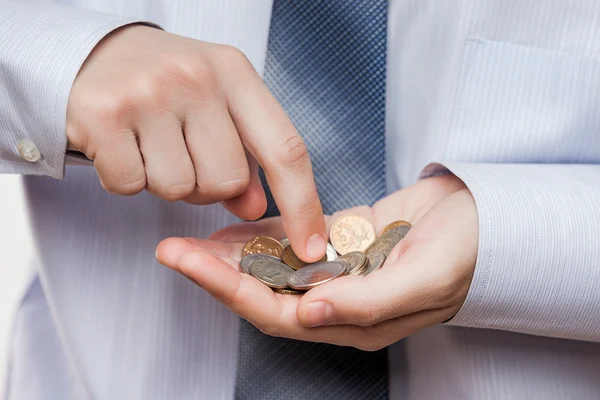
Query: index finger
{"type": "Point", "coordinates": [270, 136]}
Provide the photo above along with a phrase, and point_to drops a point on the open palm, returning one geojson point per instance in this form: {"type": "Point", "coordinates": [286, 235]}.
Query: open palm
{"type": "Point", "coordinates": [423, 282]}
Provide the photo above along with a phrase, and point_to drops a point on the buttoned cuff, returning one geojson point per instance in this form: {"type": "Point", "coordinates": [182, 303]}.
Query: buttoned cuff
{"type": "Point", "coordinates": [538, 261]}
{"type": "Point", "coordinates": [42, 48]}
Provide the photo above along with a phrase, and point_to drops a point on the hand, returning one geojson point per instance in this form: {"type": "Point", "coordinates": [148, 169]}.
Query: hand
{"type": "Point", "coordinates": [188, 120]}
{"type": "Point", "coordinates": [423, 282]}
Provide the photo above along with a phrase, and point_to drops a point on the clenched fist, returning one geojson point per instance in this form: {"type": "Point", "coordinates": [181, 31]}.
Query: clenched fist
{"type": "Point", "coordinates": [189, 120]}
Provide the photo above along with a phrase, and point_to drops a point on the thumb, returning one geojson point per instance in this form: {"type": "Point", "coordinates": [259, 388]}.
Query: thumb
{"type": "Point", "coordinates": [398, 288]}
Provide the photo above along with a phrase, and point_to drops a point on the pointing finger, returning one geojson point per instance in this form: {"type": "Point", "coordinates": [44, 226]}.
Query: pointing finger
{"type": "Point", "coordinates": [269, 135]}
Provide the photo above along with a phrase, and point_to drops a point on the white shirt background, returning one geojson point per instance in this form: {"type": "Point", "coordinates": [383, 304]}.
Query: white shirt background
{"type": "Point", "coordinates": [16, 245]}
{"type": "Point", "coordinates": [502, 92]}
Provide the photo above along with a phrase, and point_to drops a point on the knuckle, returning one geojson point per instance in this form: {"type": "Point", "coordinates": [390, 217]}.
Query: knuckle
{"type": "Point", "coordinates": [134, 187]}
{"type": "Point", "coordinates": [116, 167]}
{"type": "Point", "coordinates": [177, 191]}
{"type": "Point", "coordinates": [235, 58]}
{"type": "Point", "coordinates": [124, 188]}
{"type": "Point", "coordinates": [234, 187]}
{"type": "Point", "coordinates": [111, 106]}
{"type": "Point", "coordinates": [192, 72]}
{"type": "Point", "coordinates": [208, 191]}
{"type": "Point", "coordinates": [307, 210]}
{"type": "Point", "coordinates": [147, 91]}
{"type": "Point", "coordinates": [223, 190]}
{"type": "Point", "coordinates": [231, 52]}
{"type": "Point", "coordinates": [292, 154]}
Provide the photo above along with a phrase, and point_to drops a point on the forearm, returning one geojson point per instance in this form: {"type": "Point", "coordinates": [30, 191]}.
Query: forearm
{"type": "Point", "coordinates": [42, 48]}
{"type": "Point", "coordinates": [538, 263]}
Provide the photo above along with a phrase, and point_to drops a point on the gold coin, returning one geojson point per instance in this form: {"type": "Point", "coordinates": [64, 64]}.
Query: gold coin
{"type": "Point", "coordinates": [385, 243]}
{"type": "Point", "coordinates": [351, 233]}
{"type": "Point", "coordinates": [263, 245]}
{"type": "Point", "coordinates": [291, 259]}
{"type": "Point", "coordinates": [395, 225]}
{"type": "Point", "coordinates": [288, 291]}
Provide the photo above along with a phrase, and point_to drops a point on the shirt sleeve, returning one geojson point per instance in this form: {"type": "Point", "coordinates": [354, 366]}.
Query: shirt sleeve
{"type": "Point", "coordinates": [538, 262]}
{"type": "Point", "coordinates": [42, 48]}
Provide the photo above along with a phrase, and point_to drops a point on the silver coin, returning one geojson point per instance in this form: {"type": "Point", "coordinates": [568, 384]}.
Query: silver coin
{"type": "Point", "coordinates": [285, 242]}
{"type": "Point", "coordinates": [385, 243]}
{"type": "Point", "coordinates": [332, 254]}
{"type": "Point", "coordinates": [375, 261]}
{"type": "Point", "coordinates": [355, 259]}
{"type": "Point", "coordinates": [316, 274]}
{"type": "Point", "coordinates": [247, 261]}
{"type": "Point", "coordinates": [274, 274]}
{"type": "Point", "coordinates": [403, 230]}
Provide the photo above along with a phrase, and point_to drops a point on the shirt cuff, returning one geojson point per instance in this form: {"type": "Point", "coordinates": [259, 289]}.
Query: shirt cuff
{"type": "Point", "coordinates": [42, 48]}
{"type": "Point", "coordinates": [538, 262]}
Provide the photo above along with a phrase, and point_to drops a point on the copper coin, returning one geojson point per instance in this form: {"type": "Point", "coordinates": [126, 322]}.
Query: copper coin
{"type": "Point", "coordinates": [398, 226]}
{"type": "Point", "coordinates": [385, 243]}
{"type": "Point", "coordinates": [290, 258]}
{"type": "Point", "coordinates": [247, 261]}
{"type": "Point", "coordinates": [351, 233]}
{"type": "Point", "coordinates": [272, 273]}
{"type": "Point", "coordinates": [263, 245]}
{"type": "Point", "coordinates": [288, 291]}
{"type": "Point", "coordinates": [375, 261]}
{"type": "Point", "coordinates": [316, 274]}
{"type": "Point", "coordinates": [356, 261]}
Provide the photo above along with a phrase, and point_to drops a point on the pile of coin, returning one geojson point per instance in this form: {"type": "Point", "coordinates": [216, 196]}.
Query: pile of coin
{"type": "Point", "coordinates": [353, 249]}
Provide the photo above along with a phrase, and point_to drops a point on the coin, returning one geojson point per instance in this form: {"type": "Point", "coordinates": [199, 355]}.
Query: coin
{"type": "Point", "coordinates": [316, 274]}
{"type": "Point", "coordinates": [351, 233]}
{"type": "Point", "coordinates": [247, 261]}
{"type": "Point", "coordinates": [263, 245]}
{"type": "Point", "coordinates": [375, 261]}
{"type": "Point", "coordinates": [403, 230]}
{"type": "Point", "coordinates": [331, 253]}
{"type": "Point", "coordinates": [272, 273]}
{"type": "Point", "coordinates": [288, 291]}
{"type": "Point", "coordinates": [397, 226]}
{"type": "Point", "coordinates": [385, 243]}
{"type": "Point", "coordinates": [356, 261]}
{"type": "Point", "coordinates": [285, 242]}
{"type": "Point", "coordinates": [291, 259]}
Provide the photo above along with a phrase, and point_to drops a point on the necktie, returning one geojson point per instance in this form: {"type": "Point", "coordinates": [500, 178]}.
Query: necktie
{"type": "Point", "coordinates": [326, 66]}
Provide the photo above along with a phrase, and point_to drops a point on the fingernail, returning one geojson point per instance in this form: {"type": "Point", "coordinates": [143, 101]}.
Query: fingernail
{"type": "Point", "coordinates": [319, 313]}
{"type": "Point", "coordinates": [316, 246]}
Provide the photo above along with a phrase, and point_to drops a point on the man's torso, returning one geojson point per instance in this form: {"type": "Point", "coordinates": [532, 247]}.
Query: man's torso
{"type": "Point", "coordinates": [133, 329]}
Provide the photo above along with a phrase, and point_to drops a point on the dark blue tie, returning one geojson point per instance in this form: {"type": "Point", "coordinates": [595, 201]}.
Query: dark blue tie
{"type": "Point", "coordinates": [326, 65]}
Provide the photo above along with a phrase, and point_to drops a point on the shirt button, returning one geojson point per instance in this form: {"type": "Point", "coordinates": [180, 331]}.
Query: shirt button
{"type": "Point", "coordinates": [28, 150]}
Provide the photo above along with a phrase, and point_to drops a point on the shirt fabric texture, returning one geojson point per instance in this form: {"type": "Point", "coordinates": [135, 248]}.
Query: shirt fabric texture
{"type": "Point", "coordinates": [502, 93]}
